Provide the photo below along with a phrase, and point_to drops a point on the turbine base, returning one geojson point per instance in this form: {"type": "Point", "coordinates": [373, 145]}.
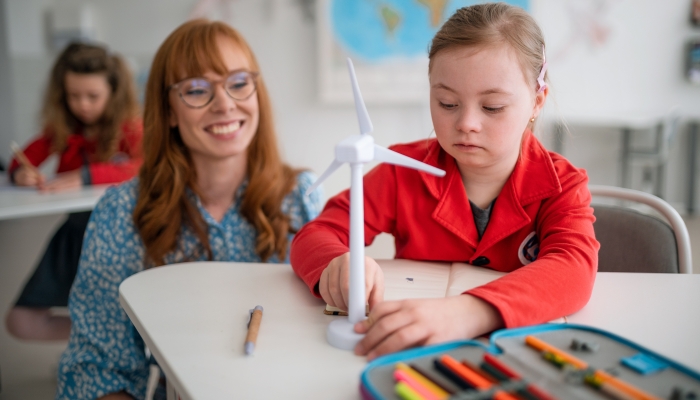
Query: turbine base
{"type": "Point", "coordinates": [340, 334]}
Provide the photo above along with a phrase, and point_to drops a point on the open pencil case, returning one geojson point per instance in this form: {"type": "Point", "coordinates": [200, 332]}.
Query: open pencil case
{"type": "Point", "coordinates": [577, 362]}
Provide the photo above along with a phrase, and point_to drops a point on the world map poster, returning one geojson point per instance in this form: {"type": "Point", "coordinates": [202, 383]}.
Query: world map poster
{"type": "Point", "coordinates": [387, 40]}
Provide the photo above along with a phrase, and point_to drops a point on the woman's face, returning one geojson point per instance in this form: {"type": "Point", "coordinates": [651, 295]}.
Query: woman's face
{"type": "Point", "coordinates": [87, 96]}
{"type": "Point", "coordinates": [225, 127]}
{"type": "Point", "coordinates": [481, 103]}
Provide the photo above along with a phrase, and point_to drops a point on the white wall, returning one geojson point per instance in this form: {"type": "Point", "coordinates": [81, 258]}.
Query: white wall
{"type": "Point", "coordinates": [638, 70]}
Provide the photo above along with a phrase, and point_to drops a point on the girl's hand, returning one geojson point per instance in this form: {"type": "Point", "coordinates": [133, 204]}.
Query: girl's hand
{"type": "Point", "coordinates": [335, 282]}
{"type": "Point", "coordinates": [28, 177]}
{"type": "Point", "coordinates": [396, 325]}
{"type": "Point", "coordinates": [63, 181]}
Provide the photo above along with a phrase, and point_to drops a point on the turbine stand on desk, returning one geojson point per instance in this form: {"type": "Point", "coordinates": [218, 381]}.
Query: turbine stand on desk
{"type": "Point", "coordinates": [357, 150]}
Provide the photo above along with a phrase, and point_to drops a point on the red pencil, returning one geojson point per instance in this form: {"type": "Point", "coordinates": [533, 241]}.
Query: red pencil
{"type": "Point", "coordinates": [499, 365]}
{"type": "Point", "coordinates": [473, 377]}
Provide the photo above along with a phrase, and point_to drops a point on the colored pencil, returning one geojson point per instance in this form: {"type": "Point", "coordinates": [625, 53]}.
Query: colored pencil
{"type": "Point", "coordinates": [454, 378]}
{"type": "Point", "coordinates": [546, 347]}
{"type": "Point", "coordinates": [604, 377]}
{"type": "Point", "coordinates": [432, 379]}
{"type": "Point", "coordinates": [406, 393]}
{"type": "Point", "coordinates": [506, 370]}
{"type": "Point", "coordinates": [22, 158]}
{"type": "Point", "coordinates": [437, 391]}
{"type": "Point", "coordinates": [473, 377]}
{"type": "Point", "coordinates": [403, 376]}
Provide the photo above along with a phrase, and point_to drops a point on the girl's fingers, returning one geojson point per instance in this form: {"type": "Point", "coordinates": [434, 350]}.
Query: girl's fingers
{"type": "Point", "coordinates": [323, 287]}
{"type": "Point", "coordinates": [376, 291]}
{"type": "Point", "coordinates": [380, 325]}
{"type": "Point", "coordinates": [412, 334]}
{"type": "Point", "coordinates": [334, 285]}
{"type": "Point", "coordinates": [344, 282]}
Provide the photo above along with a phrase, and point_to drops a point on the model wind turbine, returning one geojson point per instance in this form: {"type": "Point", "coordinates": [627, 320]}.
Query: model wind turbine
{"type": "Point", "coordinates": [357, 150]}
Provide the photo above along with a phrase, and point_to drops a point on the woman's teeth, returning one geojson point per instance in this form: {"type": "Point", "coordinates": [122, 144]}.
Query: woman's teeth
{"type": "Point", "coordinates": [225, 129]}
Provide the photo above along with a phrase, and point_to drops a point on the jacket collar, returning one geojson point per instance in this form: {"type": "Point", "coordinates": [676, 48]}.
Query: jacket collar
{"type": "Point", "coordinates": [533, 178]}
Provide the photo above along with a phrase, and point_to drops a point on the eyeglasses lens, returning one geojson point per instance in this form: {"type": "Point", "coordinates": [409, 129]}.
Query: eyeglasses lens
{"type": "Point", "coordinates": [198, 92]}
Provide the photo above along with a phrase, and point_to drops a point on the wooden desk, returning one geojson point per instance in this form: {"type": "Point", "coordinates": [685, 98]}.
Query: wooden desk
{"type": "Point", "coordinates": [193, 318]}
{"type": "Point", "coordinates": [18, 202]}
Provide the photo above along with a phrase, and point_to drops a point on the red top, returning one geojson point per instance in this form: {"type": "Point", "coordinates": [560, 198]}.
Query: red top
{"type": "Point", "coordinates": [541, 229]}
{"type": "Point", "coordinates": [123, 165]}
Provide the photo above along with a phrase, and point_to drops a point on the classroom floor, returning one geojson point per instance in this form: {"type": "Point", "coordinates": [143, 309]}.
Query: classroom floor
{"type": "Point", "coordinates": [28, 370]}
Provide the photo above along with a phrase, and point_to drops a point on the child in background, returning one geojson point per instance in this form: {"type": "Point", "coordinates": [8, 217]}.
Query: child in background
{"type": "Point", "coordinates": [91, 121]}
{"type": "Point", "coordinates": [506, 203]}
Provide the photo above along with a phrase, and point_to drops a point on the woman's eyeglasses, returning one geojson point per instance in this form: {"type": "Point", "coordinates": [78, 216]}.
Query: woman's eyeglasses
{"type": "Point", "coordinates": [198, 92]}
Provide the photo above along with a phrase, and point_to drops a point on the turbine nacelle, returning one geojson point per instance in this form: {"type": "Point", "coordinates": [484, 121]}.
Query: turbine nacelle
{"type": "Point", "coordinates": [355, 149]}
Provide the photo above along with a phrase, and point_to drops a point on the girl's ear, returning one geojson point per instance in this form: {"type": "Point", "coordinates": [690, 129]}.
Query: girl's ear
{"type": "Point", "coordinates": [540, 98]}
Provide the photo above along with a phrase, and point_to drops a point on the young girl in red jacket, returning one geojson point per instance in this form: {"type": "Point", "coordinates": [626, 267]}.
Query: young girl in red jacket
{"type": "Point", "coordinates": [91, 121]}
{"type": "Point", "coordinates": [506, 203]}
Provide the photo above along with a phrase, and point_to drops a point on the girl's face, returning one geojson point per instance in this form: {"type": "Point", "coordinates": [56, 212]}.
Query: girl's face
{"type": "Point", "coordinates": [225, 127]}
{"type": "Point", "coordinates": [481, 103]}
{"type": "Point", "coordinates": [87, 95]}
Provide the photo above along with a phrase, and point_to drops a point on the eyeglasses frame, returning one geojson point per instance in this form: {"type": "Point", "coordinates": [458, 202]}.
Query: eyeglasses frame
{"type": "Point", "coordinates": [254, 75]}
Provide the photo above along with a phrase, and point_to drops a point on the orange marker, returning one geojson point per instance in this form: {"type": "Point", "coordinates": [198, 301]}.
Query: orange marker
{"type": "Point", "coordinates": [625, 387]}
{"type": "Point", "coordinates": [473, 377]}
{"type": "Point", "coordinates": [544, 346]}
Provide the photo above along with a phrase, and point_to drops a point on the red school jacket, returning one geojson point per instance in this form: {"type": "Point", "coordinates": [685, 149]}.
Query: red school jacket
{"type": "Point", "coordinates": [123, 166]}
{"type": "Point", "coordinates": [540, 230]}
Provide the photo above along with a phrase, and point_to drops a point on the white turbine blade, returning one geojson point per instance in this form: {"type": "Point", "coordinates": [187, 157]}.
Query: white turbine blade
{"type": "Point", "coordinates": [388, 156]}
{"type": "Point", "coordinates": [362, 114]}
{"type": "Point", "coordinates": [331, 168]}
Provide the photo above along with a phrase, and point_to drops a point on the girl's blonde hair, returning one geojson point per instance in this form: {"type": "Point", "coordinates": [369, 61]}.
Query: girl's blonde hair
{"type": "Point", "coordinates": [492, 24]}
{"type": "Point", "coordinates": [162, 205]}
{"type": "Point", "coordinates": [59, 122]}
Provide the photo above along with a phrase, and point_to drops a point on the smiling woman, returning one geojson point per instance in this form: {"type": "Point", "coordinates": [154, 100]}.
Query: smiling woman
{"type": "Point", "coordinates": [212, 187]}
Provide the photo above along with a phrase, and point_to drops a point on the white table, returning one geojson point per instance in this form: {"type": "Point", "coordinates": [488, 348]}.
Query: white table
{"type": "Point", "coordinates": [19, 202]}
{"type": "Point", "coordinates": [193, 316]}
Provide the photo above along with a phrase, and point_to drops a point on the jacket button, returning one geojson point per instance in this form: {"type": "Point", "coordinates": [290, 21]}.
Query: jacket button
{"type": "Point", "coordinates": [480, 261]}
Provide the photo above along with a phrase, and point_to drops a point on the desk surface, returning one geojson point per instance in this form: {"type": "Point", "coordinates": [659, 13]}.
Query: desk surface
{"type": "Point", "coordinates": [193, 318]}
{"type": "Point", "coordinates": [18, 202]}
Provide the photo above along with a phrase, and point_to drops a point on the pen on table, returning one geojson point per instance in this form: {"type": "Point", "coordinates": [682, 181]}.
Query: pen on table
{"type": "Point", "coordinates": [22, 158]}
{"type": "Point", "coordinates": [253, 328]}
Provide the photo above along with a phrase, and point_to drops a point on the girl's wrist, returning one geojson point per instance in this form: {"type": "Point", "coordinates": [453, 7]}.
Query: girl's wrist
{"type": "Point", "coordinates": [484, 316]}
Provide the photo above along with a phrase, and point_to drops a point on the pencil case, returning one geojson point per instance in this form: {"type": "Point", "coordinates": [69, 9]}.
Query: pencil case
{"type": "Point", "coordinates": [542, 362]}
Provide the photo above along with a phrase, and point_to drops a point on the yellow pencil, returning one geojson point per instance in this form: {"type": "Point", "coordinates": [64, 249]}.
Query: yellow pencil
{"type": "Point", "coordinates": [22, 158]}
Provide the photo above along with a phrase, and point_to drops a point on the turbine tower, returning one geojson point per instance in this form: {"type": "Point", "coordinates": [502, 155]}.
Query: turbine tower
{"type": "Point", "coordinates": [357, 150]}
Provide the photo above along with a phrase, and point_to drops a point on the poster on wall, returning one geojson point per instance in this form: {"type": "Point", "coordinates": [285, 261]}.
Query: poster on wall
{"type": "Point", "coordinates": [388, 41]}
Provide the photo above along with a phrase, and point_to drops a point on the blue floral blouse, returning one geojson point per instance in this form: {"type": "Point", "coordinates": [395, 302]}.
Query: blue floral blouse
{"type": "Point", "coordinates": [105, 353]}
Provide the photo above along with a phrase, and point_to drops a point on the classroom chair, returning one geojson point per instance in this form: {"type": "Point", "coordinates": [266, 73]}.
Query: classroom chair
{"type": "Point", "coordinates": [654, 158]}
{"type": "Point", "coordinates": [634, 241]}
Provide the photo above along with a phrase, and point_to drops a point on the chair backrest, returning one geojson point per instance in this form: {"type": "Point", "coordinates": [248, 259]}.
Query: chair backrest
{"type": "Point", "coordinates": [631, 241]}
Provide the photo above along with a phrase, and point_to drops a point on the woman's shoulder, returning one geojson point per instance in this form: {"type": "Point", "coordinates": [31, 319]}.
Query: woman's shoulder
{"type": "Point", "coordinates": [119, 198]}
{"type": "Point", "coordinates": [304, 180]}
{"type": "Point", "coordinates": [299, 202]}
